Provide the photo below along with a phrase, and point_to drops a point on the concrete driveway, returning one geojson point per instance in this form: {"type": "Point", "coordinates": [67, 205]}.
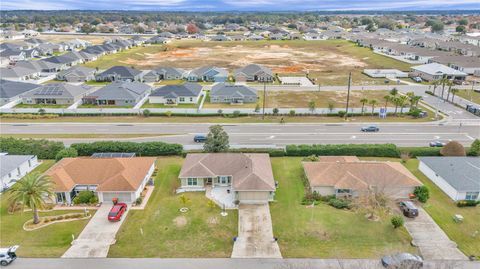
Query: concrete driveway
{"type": "Point", "coordinates": [432, 241]}
{"type": "Point", "coordinates": [95, 240]}
{"type": "Point", "coordinates": [255, 233]}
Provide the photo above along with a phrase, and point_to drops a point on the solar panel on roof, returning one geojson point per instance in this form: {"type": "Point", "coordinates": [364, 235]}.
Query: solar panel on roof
{"type": "Point", "coordinates": [113, 155]}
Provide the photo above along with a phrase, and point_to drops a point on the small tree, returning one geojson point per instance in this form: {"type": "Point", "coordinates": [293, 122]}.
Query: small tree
{"type": "Point", "coordinates": [475, 148]}
{"type": "Point", "coordinates": [311, 106]}
{"type": "Point", "coordinates": [422, 193]}
{"type": "Point", "coordinates": [363, 101]}
{"type": "Point", "coordinates": [168, 113]}
{"type": "Point", "coordinates": [41, 111]}
{"type": "Point", "coordinates": [184, 200]}
{"type": "Point", "coordinates": [291, 113]}
{"type": "Point", "coordinates": [453, 148]}
{"type": "Point", "coordinates": [331, 106]}
{"type": "Point", "coordinates": [275, 111]}
{"type": "Point", "coordinates": [217, 140]}
{"type": "Point", "coordinates": [66, 153]}
{"type": "Point", "coordinates": [397, 221]}
{"type": "Point", "coordinates": [257, 108]}
{"type": "Point", "coordinates": [146, 113]}
{"type": "Point", "coordinates": [373, 102]}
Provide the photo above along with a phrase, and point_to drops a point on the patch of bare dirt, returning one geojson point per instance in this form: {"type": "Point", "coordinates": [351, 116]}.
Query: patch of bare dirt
{"type": "Point", "coordinates": [180, 221]}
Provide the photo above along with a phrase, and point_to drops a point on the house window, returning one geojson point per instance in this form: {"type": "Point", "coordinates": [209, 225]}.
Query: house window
{"type": "Point", "coordinates": [343, 191]}
{"type": "Point", "coordinates": [182, 99]}
{"type": "Point", "coordinates": [471, 196]}
{"type": "Point", "coordinates": [191, 99]}
{"type": "Point", "coordinates": [224, 180]}
{"type": "Point", "coordinates": [192, 181]}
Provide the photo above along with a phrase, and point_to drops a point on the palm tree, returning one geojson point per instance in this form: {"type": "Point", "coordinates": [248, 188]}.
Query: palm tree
{"type": "Point", "coordinates": [454, 92]}
{"type": "Point", "coordinates": [373, 102]}
{"type": "Point", "coordinates": [394, 92]}
{"type": "Point", "coordinates": [410, 96]}
{"type": "Point", "coordinates": [435, 85]}
{"type": "Point", "coordinates": [395, 101]}
{"type": "Point", "coordinates": [387, 98]}
{"type": "Point", "coordinates": [363, 101]}
{"type": "Point", "coordinates": [402, 101]}
{"type": "Point", "coordinates": [450, 84]}
{"type": "Point", "coordinates": [415, 99]}
{"type": "Point", "coordinates": [31, 191]}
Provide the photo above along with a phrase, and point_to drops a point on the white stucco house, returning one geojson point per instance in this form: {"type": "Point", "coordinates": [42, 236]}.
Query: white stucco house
{"type": "Point", "coordinates": [14, 167]}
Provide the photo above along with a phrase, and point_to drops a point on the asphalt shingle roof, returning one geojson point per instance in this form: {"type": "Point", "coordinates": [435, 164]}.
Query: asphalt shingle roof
{"type": "Point", "coordinates": [10, 89]}
{"type": "Point", "coordinates": [223, 89]}
{"type": "Point", "coordinates": [187, 89]}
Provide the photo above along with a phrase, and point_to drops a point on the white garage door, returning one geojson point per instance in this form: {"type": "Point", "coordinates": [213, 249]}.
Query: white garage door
{"type": "Point", "coordinates": [253, 197]}
{"type": "Point", "coordinates": [123, 197]}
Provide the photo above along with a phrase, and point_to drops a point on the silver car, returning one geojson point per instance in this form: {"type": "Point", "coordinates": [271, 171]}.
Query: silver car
{"type": "Point", "coordinates": [7, 255]}
{"type": "Point", "coordinates": [402, 261]}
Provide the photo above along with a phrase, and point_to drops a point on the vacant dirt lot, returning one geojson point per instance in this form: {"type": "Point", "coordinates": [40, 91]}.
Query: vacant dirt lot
{"type": "Point", "coordinates": [328, 61]}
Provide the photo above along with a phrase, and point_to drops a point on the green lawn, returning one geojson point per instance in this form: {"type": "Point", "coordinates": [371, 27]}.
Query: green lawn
{"type": "Point", "coordinates": [97, 83]}
{"type": "Point", "coordinates": [205, 233]}
{"type": "Point", "coordinates": [40, 106]}
{"type": "Point", "coordinates": [323, 231]}
{"type": "Point", "coordinates": [102, 106]}
{"type": "Point", "coordinates": [124, 57]}
{"type": "Point", "coordinates": [470, 95]}
{"type": "Point", "coordinates": [149, 105]}
{"type": "Point", "coordinates": [50, 241]}
{"type": "Point", "coordinates": [441, 208]}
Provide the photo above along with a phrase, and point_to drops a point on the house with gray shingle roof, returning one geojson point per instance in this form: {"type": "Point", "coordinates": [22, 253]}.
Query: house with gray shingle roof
{"type": "Point", "coordinates": [56, 94]}
{"type": "Point", "coordinates": [18, 73]}
{"type": "Point", "coordinates": [188, 93]}
{"type": "Point", "coordinates": [120, 73]}
{"type": "Point", "coordinates": [12, 90]}
{"type": "Point", "coordinates": [208, 74]}
{"type": "Point", "coordinates": [458, 177]}
{"type": "Point", "coordinates": [77, 74]}
{"type": "Point", "coordinates": [164, 73]}
{"type": "Point", "coordinates": [254, 72]}
{"type": "Point", "coordinates": [119, 93]}
{"type": "Point", "coordinates": [232, 94]}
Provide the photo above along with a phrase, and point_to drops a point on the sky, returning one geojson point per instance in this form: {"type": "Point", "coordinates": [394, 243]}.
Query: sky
{"type": "Point", "coordinates": [239, 5]}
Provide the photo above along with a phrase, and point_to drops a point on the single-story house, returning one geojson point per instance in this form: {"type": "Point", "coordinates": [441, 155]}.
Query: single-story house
{"type": "Point", "coordinates": [18, 73]}
{"type": "Point", "coordinates": [118, 94]}
{"type": "Point", "coordinates": [109, 178]}
{"type": "Point", "coordinates": [348, 176]}
{"type": "Point", "coordinates": [77, 74]}
{"type": "Point", "coordinates": [385, 73]}
{"type": "Point", "coordinates": [248, 177]}
{"type": "Point", "coordinates": [461, 63]}
{"type": "Point", "coordinates": [436, 71]}
{"type": "Point", "coordinates": [56, 94]}
{"type": "Point", "coordinates": [254, 72]}
{"type": "Point", "coordinates": [233, 94]}
{"type": "Point", "coordinates": [12, 90]}
{"type": "Point", "coordinates": [208, 74]}
{"type": "Point", "coordinates": [122, 73]}
{"type": "Point", "coordinates": [458, 177]}
{"type": "Point", "coordinates": [188, 93]}
{"type": "Point", "coordinates": [164, 73]}
{"type": "Point", "coordinates": [14, 167]}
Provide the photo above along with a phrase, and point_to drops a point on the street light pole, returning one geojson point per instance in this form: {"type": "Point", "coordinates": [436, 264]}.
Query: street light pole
{"type": "Point", "coordinates": [264, 98]}
{"type": "Point", "coordinates": [348, 94]}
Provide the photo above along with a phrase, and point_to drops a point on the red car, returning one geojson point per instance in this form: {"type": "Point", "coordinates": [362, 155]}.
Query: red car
{"type": "Point", "coordinates": [117, 211]}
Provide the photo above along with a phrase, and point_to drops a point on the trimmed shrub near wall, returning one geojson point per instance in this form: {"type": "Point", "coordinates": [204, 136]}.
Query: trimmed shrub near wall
{"type": "Point", "coordinates": [361, 150]}
{"type": "Point", "coordinates": [66, 153]}
{"type": "Point", "coordinates": [43, 149]}
{"type": "Point", "coordinates": [140, 149]}
{"type": "Point", "coordinates": [421, 151]}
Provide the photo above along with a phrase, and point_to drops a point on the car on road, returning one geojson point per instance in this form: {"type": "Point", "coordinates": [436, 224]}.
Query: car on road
{"type": "Point", "coordinates": [117, 211]}
{"type": "Point", "coordinates": [371, 128]}
{"type": "Point", "coordinates": [402, 261]}
{"type": "Point", "coordinates": [437, 144]}
{"type": "Point", "coordinates": [199, 138]}
{"type": "Point", "coordinates": [7, 255]}
{"type": "Point", "coordinates": [409, 210]}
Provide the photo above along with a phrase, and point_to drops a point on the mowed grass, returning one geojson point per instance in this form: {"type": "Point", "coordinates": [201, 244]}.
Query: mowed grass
{"type": "Point", "coordinates": [205, 234]}
{"type": "Point", "coordinates": [469, 95]}
{"type": "Point", "coordinates": [135, 53]}
{"type": "Point", "coordinates": [40, 106]}
{"type": "Point", "coordinates": [50, 241]}
{"type": "Point", "coordinates": [441, 208]}
{"type": "Point", "coordinates": [323, 231]}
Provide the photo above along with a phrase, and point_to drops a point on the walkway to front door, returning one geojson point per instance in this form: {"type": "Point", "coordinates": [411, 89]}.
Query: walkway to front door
{"type": "Point", "coordinates": [255, 233]}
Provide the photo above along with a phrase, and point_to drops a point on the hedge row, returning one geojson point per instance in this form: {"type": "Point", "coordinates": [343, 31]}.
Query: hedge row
{"type": "Point", "coordinates": [361, 150]}
{"type": "Point", "coordinates": [43, 149]}
{"type": "Point", "coordinates": [271, 152]}
{"type": "Point", "coordinates": [140, 149]}
{"type": "Point", "coordinates": [421, 151]}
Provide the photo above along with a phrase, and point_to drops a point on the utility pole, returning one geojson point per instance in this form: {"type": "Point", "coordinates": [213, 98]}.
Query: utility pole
{"type": "Point", "coordinates": [264, 98]}
{"type": "Point", "coordinates": [348, 94]}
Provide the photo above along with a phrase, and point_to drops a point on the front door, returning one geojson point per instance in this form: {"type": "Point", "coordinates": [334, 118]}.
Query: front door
{"type": "Point", "coordinates": [208, 181]}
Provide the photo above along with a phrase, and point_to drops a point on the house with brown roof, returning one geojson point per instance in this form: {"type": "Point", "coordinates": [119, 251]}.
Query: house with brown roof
{"type": "Point", "coordinates": [121, 178]}
{"type": "Point", "coordinates": [246, 178]}
{"type": "Point", "coordinates": [349, 176]}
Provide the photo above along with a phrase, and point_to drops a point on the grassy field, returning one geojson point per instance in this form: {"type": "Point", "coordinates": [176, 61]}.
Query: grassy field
{"type": "Point", "coordinates": [94, 39]}
{"type": "Point", "coordinates": [50, 136]}
{"type": "Point", "coordinates": [323, 231]}
{"type": "Point", "coordinates": [441, 208]}
{"type": "Point", "coordinates": [470, 95]}
{"type": "Point", "coordinates": [50, 241]}
{"type": "Point", "coordinates": [328, 61]}
{"type": "Point", "coordinates": [201, 232]}
{"type": "Point", "coordinates": [40, 106]}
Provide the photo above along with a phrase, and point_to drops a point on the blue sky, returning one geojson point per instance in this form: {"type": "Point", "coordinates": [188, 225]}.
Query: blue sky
{"type": "Point", "coordinates": [241, 5]}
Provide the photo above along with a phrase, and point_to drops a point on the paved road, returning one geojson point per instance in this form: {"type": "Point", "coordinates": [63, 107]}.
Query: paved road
{"type": "Point", "coordinates": [267, 134]}
{"type": "Point", "coordinates": [125, 263]}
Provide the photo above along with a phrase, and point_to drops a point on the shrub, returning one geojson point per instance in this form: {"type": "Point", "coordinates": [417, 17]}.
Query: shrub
{"type": "Point", "coordinates": [422, 193]}
{"type": "Point", "coordinates": [84, 197]}
{"type": "Point", "coordinates": [341, 113]}
{"type": "Point", "coordinates": [146, 113]}
{"type": "Point", "coordinates": [139, 201]}
{"type": "Point", "coordinates": [93, 200]}
{"type": "Point", "coordinates": [397, 221]}
{"type": "Point", "coordinates": [362, 150]}
{"type": "Point", "coordinates": [257, 108]}
{"type": "Point", "coordinates": [339, 203]}
{"type": "Point", "coordinates": [453, 148]}
{"type": "Point", "coordinates": [467, 203]}
{"type": "Point", "coordinates": [311, 158]}
{"type": "Point", "coordinates": [236, 114]}
{"type": "Point", "coordinates": [66, 153]}
{"type": "Point", "coordinates": [475, 148]}
{"type": "Point", "coordinates": [415, 112]}
{"type": "Point", "coordinates": [291, 113]}
{"type": "Point", "coordinates": [421, 151]}
{"type": "Point", "coordinates": [168, 113]}
{"type": "Point", "coordinates": [141, 149]}
{"type": "Point", "coordinates": [275, 111]}
{"type": "Point", "coordinates": [43, 149]}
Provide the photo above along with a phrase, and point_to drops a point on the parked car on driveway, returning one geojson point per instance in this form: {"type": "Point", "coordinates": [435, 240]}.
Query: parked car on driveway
{"type": "Point", "coordinates": [371, 128]}
{"type": "Point", "coordinates": [402, 261]}
{"type": "Point", "coordinates": [436, 144]}
{"type": "Point", "coordinates": [417, 79]}
{"type": "Point", "coordinates": [117, 211]}
{"type": "Point", "coordinates": [7, 255]}
{"type": "Point", "coordinates": [408, 209]}
{"type": "Point", "coordinates": [199, 138]}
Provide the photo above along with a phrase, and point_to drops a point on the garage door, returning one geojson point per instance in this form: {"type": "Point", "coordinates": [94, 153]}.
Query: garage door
{"type": "Point", "coordinates": [252, 197]}
{"type": "Point", "coordinates": [123, 197]}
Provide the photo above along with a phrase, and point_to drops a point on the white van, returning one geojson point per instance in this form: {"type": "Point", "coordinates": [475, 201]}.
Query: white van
{"type": "Point", "coordinates": [7, 255]}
